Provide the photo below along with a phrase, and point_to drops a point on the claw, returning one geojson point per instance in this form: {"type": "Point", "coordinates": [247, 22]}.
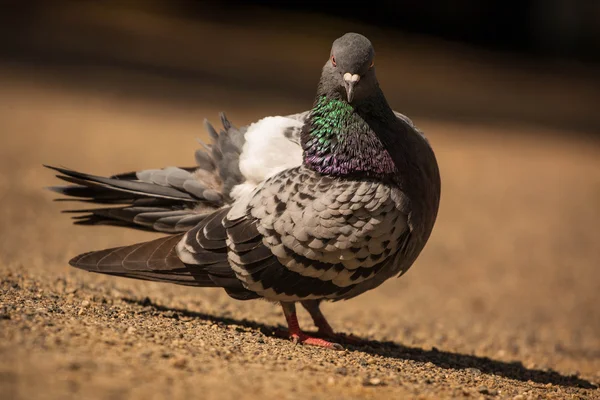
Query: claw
{"type": "Point", "coordinates": [308, 340]}
{"type": "Point", "coordinates": [304, 339]}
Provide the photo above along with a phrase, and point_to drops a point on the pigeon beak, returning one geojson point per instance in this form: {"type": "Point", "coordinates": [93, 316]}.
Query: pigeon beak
{"type": "Point", "coordinates": [350, 81]}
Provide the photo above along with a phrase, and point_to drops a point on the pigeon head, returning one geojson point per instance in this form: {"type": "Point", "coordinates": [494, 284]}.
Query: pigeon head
{"type": "Point", "coordinates": [343, 133]}
{"type": "Point", "coordinates": [349, 73]}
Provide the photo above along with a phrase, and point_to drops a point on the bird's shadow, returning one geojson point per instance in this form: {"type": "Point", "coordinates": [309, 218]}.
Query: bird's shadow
{"type": "Point", "coordinates": [443, 359]}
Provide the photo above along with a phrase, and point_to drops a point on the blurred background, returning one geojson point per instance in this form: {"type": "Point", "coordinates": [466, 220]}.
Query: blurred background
{"type": "Point", "coordinates": [532, 61]}
{"type": "Point", "coordinates": [508, 93]}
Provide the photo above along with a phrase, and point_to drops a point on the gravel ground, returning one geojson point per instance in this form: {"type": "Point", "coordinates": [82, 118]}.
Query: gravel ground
{"type": "Point", "coordinates": [503, 303]}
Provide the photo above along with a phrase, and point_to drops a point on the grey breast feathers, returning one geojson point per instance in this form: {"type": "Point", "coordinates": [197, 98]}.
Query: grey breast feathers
{"type": "Point", "coordinates": [337, 231]}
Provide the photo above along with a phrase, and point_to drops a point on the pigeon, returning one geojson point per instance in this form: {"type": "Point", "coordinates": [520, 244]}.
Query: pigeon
{"type": "Point", "coordinates": [322, 205]}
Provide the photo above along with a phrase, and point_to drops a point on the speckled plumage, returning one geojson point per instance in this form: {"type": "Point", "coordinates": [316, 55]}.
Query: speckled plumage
{"type": "Point", "coordinates": [339, 232]}
{"type": "Point", "coordinates": [320, 205]}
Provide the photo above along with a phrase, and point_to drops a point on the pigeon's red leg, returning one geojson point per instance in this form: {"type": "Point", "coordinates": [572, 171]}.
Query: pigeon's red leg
{"type": "Point", "coordinates": [325, 330]}
{"type": "Point", "coordinates": [289, 310]}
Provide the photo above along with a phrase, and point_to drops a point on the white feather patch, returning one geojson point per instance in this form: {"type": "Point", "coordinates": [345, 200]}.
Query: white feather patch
{"type": "Point", "coordinates": [267, 152]}
{"type": "Point", "coordinates": [185, 252]}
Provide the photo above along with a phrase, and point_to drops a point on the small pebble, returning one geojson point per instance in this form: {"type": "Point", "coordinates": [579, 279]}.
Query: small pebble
{"type": "Point", "coordinates": [74, 366]}
{"type": "Point", "coordinates": [486, 390]}
{"type": "Point", "coordinates": [85, 303]}
{"type": "Point", "coordinates": [373, 382]}
{"type": "Point", "coordinates": [179, 362]}
{"type": "Point", "coordinates": [473, 371]}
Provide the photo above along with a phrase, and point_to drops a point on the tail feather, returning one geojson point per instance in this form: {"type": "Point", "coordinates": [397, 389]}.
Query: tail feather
{"type": "Point", "coordinates": [148, 256]}
{"type": "Point", "coordinates": [91, 194]}
{"type": "Point", "coordinates": [158, 261]}
{"type": "Point", "coordinates": [171, 200]}
{"type": "Point", "coordinates": [149, 206]}
{"type": "Point", "coordinates": [185, 280]}
{"type": "Point", "coordinates": [225, 153]}
{"type": "Point", "coordinates": [137, 188]}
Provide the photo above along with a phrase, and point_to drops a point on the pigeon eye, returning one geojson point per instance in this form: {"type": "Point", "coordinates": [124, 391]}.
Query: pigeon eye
{"type": "Point", "coordinates": [333, 61]}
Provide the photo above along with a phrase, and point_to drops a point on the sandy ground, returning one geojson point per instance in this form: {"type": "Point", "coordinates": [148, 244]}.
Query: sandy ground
{"type": "Point", "coordinates": [503, 303]}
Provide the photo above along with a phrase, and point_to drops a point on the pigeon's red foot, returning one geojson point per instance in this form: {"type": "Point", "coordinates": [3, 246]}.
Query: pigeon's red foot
{"type": "Point", "coordinates": [318, 339]}
{"type": "Point", "coordinates": [297, 336]}
{"type": "Point", "coordinates": [303, 338]}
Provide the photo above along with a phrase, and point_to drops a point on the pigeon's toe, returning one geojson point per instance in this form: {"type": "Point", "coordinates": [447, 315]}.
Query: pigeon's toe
{"type": "Point", "coordinates": [305, 339]}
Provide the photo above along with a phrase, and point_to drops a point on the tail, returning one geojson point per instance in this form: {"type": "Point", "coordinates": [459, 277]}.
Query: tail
{"type": "Point", "coordinates": [154, 261]}
{"type": "Point", "coordinates": [157, 261]}
{"type": "Point", "coordinates": [167, 200]}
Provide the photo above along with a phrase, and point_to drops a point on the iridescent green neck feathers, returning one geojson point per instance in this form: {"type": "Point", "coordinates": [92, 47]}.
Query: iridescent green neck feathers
{"type": "Point", "coordinates": [338, 140]}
